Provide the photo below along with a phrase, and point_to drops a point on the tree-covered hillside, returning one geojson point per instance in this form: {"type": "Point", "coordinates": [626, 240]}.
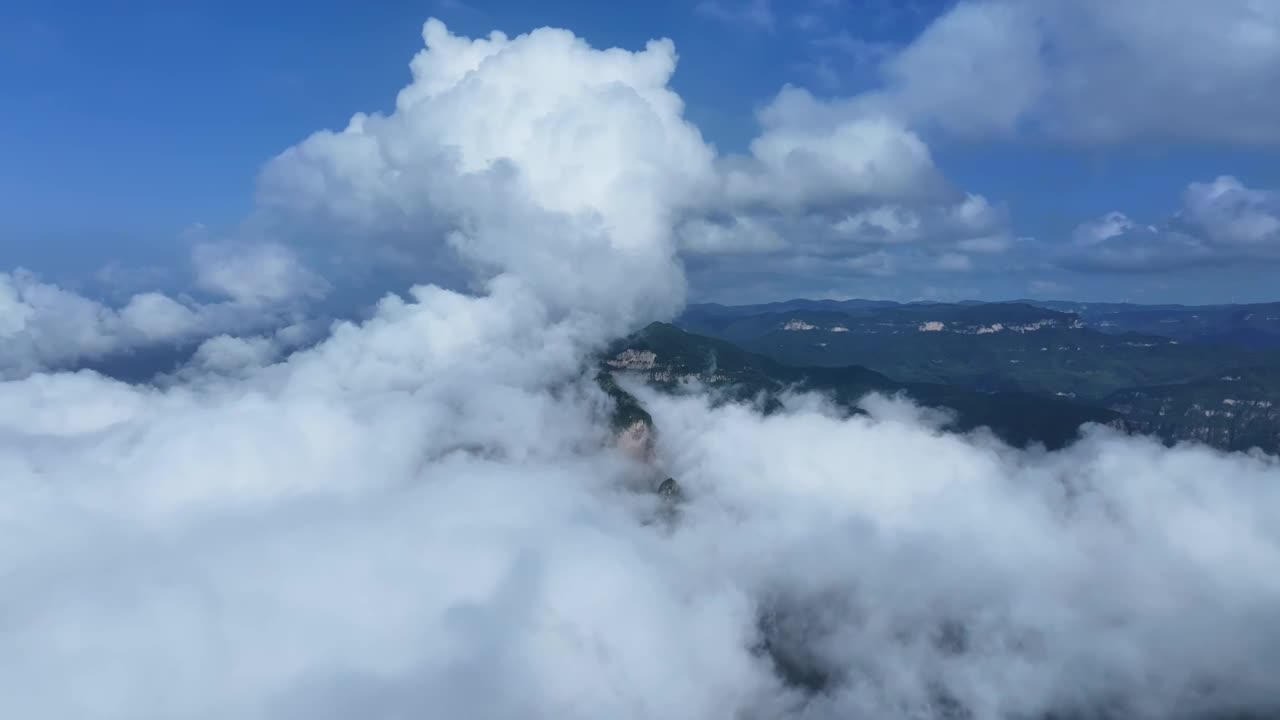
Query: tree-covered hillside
{"type": "Point", "coordinates": [1190, 387]}
{"type": "Point", "coordinates": [1002, 346]}
{"type": "Point", "coordinates": [665, 356]}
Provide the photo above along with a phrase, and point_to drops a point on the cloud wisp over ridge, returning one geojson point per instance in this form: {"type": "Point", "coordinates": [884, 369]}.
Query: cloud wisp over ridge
{"type": "Point", "coordinates": [425, 512]}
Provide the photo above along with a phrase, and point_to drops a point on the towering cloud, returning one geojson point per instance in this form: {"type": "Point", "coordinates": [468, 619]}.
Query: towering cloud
{"type": "Point", "coordinates": [424, 513]}
{"type": "Point", "coordinates": [528, 157]}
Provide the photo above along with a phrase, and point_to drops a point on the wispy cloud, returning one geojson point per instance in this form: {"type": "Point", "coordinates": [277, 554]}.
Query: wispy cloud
{"type": "Point", "coordinates": [1221, 222]}
{"type": "Point", "coordinates": [754, 14]}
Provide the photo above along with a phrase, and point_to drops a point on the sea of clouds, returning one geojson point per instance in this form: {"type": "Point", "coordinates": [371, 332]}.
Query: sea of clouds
{"type": "Point", "coordinates": [424, 514]}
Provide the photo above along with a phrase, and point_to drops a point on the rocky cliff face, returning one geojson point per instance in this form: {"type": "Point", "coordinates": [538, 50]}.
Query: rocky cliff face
{"type": "Point", "coordinates": [647, 364]}
{"type": "Point", "coordinates": [632, 359]}
{"type": "Point", "coordinates": [1234, 412]}
{"type": "Point", "coordinates": [1230, 428]}
{"type": "Point", "coordinates": [637, 441]}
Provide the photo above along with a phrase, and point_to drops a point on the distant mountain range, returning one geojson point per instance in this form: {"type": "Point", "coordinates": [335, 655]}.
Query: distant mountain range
{"type": "Point", "coordinates": [1253, 325]}
{"type": "Point", "coordinates": [666, 356]}
{"type": "Point", "coordinates": [1032, 372]}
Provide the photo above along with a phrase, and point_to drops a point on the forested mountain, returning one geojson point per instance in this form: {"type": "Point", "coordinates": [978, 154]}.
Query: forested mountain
{"type": "Point", "coordinates": [665, 356]}
{"type": "Point", "coordinates": [1214, 376]}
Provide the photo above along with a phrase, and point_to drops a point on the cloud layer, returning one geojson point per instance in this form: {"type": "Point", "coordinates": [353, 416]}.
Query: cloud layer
{"type": "Point", "coordinates": [44, 326]}
{"type": "Point", "coordinates": [1221, 222]}
{"type": "Point", "coordinates": [826, 192]}
{"type": "Point", "coordinates": [1093, 71]}
{"type": "Point", "coordinates": [842, 188]}
{"type": "Point", "coordinates": [425, 513]}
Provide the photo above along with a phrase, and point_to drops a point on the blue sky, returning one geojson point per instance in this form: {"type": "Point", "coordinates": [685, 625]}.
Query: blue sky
{"type": "Point", "coordinates": [127, 123]}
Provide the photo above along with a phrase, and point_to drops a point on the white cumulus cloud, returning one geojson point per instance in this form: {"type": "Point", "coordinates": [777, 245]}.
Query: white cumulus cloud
{"type": "Point", "coordinates": [45, 326]}
{"type": "Point", "coordinates": [1093, 71]}
{"type": "Point", "coordinates": [1220, 222]}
